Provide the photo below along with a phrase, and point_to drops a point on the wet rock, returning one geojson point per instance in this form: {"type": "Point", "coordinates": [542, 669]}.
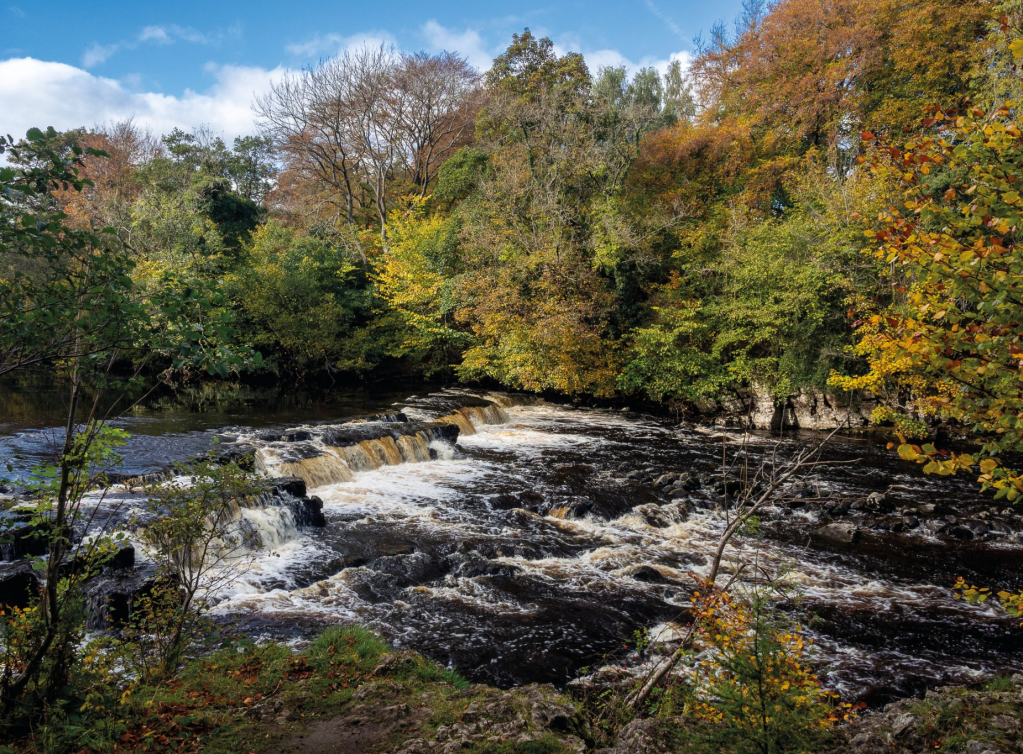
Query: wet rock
{"type": "Point", "coordinates": [978, 528]}
{"type": "Point", "coordinates": [911, 522]}
{"type": "Point", "coordinates": [840, 531]}
{"type": "Point", "coordinates": [691, 483]}
{"type": "Point", "coordinates": [292, 485]}
{"type": "Point", "coordinates": [472, 564]}
{"type": "Point", "coordinates": [730, 487]}
{"type": "Point", "coordinates": [959, 532]}
{"type": "Point", "coordinates": [652, 516]}
{"type": "Point", "coordinates": [19, 536]}
{"type": "Point", "coordinates": [310, 512]}
{"type": "Point", "coordinates": [240, 453]}
{"type": "Point", "coordinates": [878, 502]}
{"type": "Point", "coordinates": [647, 574]}
{"type": "Point", "coordinates": [663, 481]}
{"type": "Point", "coordinates": [18, 582]}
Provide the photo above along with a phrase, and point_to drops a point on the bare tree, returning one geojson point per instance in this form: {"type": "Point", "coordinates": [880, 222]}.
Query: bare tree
{"type": "Point", "coordinates": [308, 118]}
{"type": "Point", "coordinates": [378, 109]}
{"type": "Point", "coordinates": [442, 96]}
{"type": "Point", "coordinates": [357, 120]}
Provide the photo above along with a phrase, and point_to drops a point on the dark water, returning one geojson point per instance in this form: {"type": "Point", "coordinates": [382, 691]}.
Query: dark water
{"type": "Point", "coordinates": [170, 425]}
{"type": "Point", "coordinates": [465, 558]}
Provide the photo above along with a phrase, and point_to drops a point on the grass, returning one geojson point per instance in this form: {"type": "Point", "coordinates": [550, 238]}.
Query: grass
{"type": "Point", "coordinates": [250, 697]}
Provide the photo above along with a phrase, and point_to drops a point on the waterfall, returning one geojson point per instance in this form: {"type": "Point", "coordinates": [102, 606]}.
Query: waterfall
{"type": "Point", "coordinates": [324, 455]}
{"type": "Point", "coordinates": [470, 418]}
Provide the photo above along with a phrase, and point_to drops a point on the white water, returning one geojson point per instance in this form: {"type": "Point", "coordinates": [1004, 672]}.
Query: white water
{"type": "Point", "coordinates": [565, 594]}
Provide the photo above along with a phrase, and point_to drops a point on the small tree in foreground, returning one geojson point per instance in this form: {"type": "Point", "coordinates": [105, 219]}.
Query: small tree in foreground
{"type": "Point", "coordinates": [68, 304]}
{"type": "Point", "coordinates": [195, 532]}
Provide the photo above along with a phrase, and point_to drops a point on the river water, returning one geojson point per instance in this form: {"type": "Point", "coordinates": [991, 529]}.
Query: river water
{"type": "Point", "coordinates": [513, 554]}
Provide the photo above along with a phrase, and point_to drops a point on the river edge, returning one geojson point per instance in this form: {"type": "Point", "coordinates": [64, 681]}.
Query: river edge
{"type": "Point", "coordinates": [494, 710]}
{"type": "Point", "coordinates": [348, 692]}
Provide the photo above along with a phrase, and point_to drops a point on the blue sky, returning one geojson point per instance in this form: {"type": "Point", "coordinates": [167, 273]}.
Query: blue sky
{"type": "Point", "coordinates": [174, 63]}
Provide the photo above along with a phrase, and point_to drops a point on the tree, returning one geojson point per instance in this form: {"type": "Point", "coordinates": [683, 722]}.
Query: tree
{"type": "Point", "coordinates": [309, 303]}
{"type": "Point", "coordinates": [68, 302]}
{"type": "Point", "coordinates": [951, 338]}
{"type": "Point", "coordinates": [442, 97]}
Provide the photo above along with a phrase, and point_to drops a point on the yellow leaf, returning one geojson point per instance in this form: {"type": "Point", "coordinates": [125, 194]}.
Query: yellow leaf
{"type": "Point", "coordinates": [1016, 48]}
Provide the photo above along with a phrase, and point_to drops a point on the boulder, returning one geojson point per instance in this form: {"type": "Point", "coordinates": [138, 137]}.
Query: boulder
{"type": "Point", "coordinates": [840, 531]}
{"type": "Point", "coordinates": [18, 581]}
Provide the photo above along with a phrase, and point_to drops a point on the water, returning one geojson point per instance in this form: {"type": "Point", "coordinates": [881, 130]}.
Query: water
{"type": "Point", "coordinates": [476, 553]}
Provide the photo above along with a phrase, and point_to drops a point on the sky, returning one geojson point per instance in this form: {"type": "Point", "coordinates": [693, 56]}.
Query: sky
{"type": "Point", "coordinates": [184, 64]}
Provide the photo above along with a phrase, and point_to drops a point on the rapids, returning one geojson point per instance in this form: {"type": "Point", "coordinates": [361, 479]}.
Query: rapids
{"type": "Point", "coordinates": [516, 553]}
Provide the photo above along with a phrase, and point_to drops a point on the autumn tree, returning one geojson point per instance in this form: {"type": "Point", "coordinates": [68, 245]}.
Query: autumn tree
{"type": "Point", "coordinates": [950, 340]}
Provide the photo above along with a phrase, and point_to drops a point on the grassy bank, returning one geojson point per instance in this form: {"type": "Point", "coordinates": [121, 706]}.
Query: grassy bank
{"type": "Point", "coordinates": [347, 691]}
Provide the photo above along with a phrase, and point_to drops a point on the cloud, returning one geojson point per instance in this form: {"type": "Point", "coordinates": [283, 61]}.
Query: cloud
{"type": "Point", "coordinates": [597, 59]}
{"type": "Point", "coordinates": [41, 93]}
{"type": "Point", "coordinates": [166, 35]}
{"type": "Point", "coordinates": [469, 44]}
{"type": "Point", "coordinates": [665, 19]}
{"type": "Point", "coordinates": [161, 35]}
{"type": "Point", "coordinates": [97, 54]}
{"type": "Point", "coordinates": [16, 11]}
{"type": "Point", "coordinates": [330, 44]}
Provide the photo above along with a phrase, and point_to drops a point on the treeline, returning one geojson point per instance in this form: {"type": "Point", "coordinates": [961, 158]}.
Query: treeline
{"type": "Point", "coordinates": [549, 227]}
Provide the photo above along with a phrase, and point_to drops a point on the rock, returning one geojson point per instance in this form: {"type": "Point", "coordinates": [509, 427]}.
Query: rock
{"type": "Point", "coordinates": [691, 483]}
{"type": "Point", "coordinates": [840, 531]}
{"type": "Point", "coordinates": [293, 485]}
{"type": "Point", "coordinates": [981, 747]}
{"type": "Point", "coordinates": [644, 736]}
{"type": "Point", "coordinates": [310, 512]}
{"type": "Point", "coordinates": [878, 502]}
{"type": "Point", "coordinates": [17, 583]}
{"type": "Point", "coordinates": [960, 532]}
{"type": "Point", "coordinates": [911, 522]}
{"type": "Point", "coordinates": [19, 537]}
{"type": "Point", "coordinates": [653, 516]}
{"type": "Point", "coordinates": [663, 481]}
{"type": "Point", "coordinates": [730, 487]}
{"type": "Point", "coordinates": [903, 724]}
{"type": "Point", "coordinates": [123, 559]}
{"type": "Point", "coordinates": [1006, 723]}
{"type": "Point", "coordinates": [647, 573]}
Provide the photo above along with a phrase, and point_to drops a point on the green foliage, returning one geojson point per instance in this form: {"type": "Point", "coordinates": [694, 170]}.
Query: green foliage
{"type": "Point", "coordinates": [196, 536]}
{"type": "Point", "coordinates": [309, 303]}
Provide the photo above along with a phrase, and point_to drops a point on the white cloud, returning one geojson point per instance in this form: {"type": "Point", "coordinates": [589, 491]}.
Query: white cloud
{"type": "Point", "coordinates": [16, 11]}
{"type": "Point", "coordinates": [40, 93]}
{"type": "Point", "coordinates": [97, 54]}
{"type": "Point", "coordinates": [331, 44]}
{"type": "Point", "coordinates": [169, 34]}
{"type": "Point", "coordinates": [665, 19]}
{"type": "Point", "coordinates": [161, 35]}
{"type": "Point", "coordinates": [469, 44]}
{"type": "Point", "coordinates": [597, 59]}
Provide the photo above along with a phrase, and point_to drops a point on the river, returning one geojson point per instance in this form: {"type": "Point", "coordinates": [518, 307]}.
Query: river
{"type": "Point", "coordinates": [516, 554]}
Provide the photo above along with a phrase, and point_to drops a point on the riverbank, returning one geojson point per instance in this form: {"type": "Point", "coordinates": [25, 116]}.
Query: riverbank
{"type": "Point", "coordinates": [348, 692]}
